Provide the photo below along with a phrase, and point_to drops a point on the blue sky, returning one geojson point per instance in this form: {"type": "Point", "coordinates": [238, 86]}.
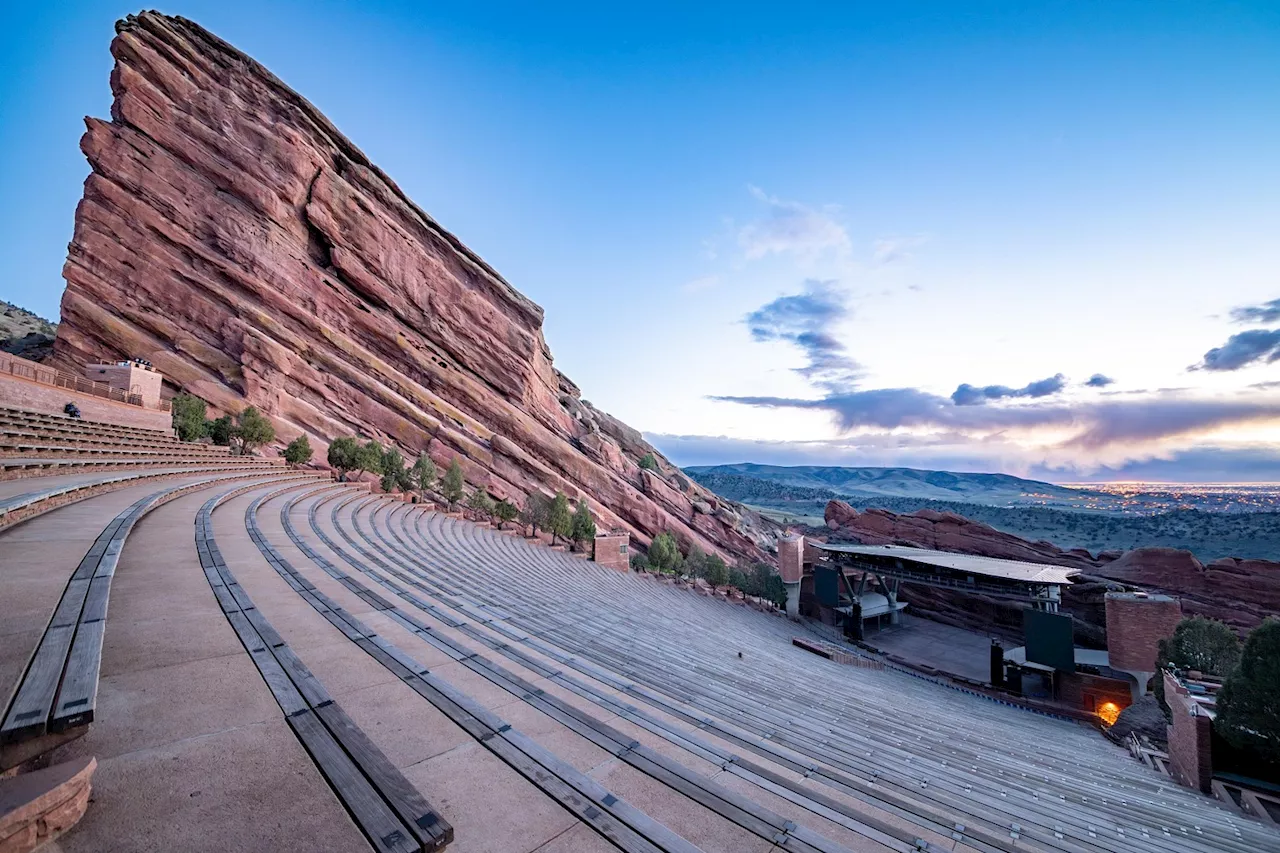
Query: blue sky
{"type": "Point", "coordinates": [809, 227]}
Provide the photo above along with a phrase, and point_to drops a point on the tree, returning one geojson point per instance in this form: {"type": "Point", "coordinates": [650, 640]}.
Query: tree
{"type": "Point", "coordinates": [220, 430]}
{"type": "Point", "coordinates": [505, 510]}
{"type": "Point", "coordinates": [453, 485]}
{"type": "Point", "coordinates": [738, 579]}
{"type": "Point", "coordinates": [649, 462]}
{"type": "Point", "coordinates": [559, 517]}
{"type": "Point", "coordinates": [189, 417]}
{"type": "Point", "coordinates": [640, 563]}
{"type": "Point", "coordinates": [252, 430]}
{"type": "Point", "coordinates": [664, 553]}
{"type": "Point", "coordinates": [715, 570]}
{"type": "Point", "coordinates": [394, 475]}
{"type": "Point", "coordinates": [1249, 701]}
{"type": "Point", "coordinates": [343, 456]}
{"type": "Point", "coordinates": [481, 502]}
{"type": "Point", "coordinates": [424, 473]}
{"type": "Point", "coordinates": [369, 458]}
{"type": "Point", "coordinates": [534, 512]}
{"type": "Point", "coordinates": [1197, 643]}
{"type": "Point", "coordinates": [695, 564]}
{"type": "Point", "coordinates": [299, 451]}
{"type": "Point", "coordinates": [583, 527]}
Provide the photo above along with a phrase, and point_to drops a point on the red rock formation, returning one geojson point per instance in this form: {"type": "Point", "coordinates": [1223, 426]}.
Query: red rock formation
{"type": "Point", "coordinates": [231, 235]}
{"type": "Point", "coordinates": [1239, 592]}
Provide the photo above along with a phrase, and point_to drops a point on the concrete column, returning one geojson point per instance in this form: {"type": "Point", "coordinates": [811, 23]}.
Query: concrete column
{"type": "Point", "coordinates": [793, 601]}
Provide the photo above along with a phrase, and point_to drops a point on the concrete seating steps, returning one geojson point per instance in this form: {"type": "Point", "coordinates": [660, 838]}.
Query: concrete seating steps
{"type": "Point", "coordinates": [389, 810]}
{"type": "Point", "coordinates": [507, 542]}
{"type": "Point", "coordinates": [25, 468]}
{"type": "Point", "coordinates": [726, 803]}
{"type": "Point", "coordinates": [20, 507]}
{"type": "Point", "coordinates": [11, 444]}
{"type": "Point", "coordinates": [1091, 837]}
{"type": "Point", "coordinates": [55, 698]}
{"type": "Point", "coordinates": [22, 417]}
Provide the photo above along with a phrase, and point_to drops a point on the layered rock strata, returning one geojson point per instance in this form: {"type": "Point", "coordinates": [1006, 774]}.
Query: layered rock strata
{"type": "Point", "coordinates": [232, 236]}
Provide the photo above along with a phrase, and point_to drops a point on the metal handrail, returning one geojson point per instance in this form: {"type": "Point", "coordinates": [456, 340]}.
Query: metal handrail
{"type": "Point", "coordinates": [20, 367]}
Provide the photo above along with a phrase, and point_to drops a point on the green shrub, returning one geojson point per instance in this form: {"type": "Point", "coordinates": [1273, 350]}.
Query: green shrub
{"type": "Point", "coordinates": [1197, 643]}
{"type": "Point", "coordinates": [220, 430]}
{"type": "Point", "coordinates": [716, 572]}
{"type": "Point", "coordinates": [453, 486]}
{"type": "Point", "coordinates": [394, 475]}
{"type": "Point", "coordinates": [1249, 702]}
{"type": "Point", "coordinates": [424, 473]}
{"type": "Point", "coordinates": [343, 456]}
{"type": "Point", "coordinates": [369, 458]}
{"type": "Point", "coordinates": [664, 553]}
{"type": "Point", "coordinates": [299, 451]}
{"type": "Point", "coordinates": [534, 512]}
{"type": "Point", "coordinates": [252, 430]}
{"type": "Point", "coordinates": [189, 417]}
{"type": "Point", "coordinates": [505, 511]}
{"type": "Point", "coordinates": [583, 526]}
{"type": "Point", "coordinates": [559, 517]}
{"type": "Point", "coordinates": [649, 462]}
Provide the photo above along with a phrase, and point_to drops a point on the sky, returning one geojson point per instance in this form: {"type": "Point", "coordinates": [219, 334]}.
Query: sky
{"type": "Point", "coordinates": [1039, 238]}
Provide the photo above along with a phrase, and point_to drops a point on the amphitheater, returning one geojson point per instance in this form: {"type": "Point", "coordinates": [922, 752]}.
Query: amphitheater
{"type": "Point", "coordinates": [260, 658]}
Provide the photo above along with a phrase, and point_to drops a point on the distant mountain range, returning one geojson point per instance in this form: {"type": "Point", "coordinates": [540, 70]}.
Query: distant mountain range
{"type": "Point", "coordinates": [810, 480]}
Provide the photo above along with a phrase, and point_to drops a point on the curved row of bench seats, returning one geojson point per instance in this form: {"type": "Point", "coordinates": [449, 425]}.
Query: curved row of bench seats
{"type": "Point", "coordinates": [54, 698]}
{"type": "Point", "coordinates": [1101, 803]}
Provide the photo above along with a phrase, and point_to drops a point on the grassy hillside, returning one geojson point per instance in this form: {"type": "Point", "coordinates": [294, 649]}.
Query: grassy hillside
{"type": "Point", "coordinates": [25, 334]}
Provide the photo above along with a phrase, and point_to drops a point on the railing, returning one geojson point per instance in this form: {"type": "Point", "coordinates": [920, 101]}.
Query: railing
{"type": "Point", "coordinates": [13, 366]}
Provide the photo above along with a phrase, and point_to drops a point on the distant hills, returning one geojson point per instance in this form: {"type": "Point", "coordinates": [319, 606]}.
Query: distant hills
{"type": "Point", "coordinates": [811, 482]}
{"type": "Point", "coordinates": [24, 333]}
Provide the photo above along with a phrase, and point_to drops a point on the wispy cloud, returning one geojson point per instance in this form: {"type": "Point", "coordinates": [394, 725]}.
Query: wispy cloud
{"type": "Point", "coordinates": [1243, 349]}
{"type": "Point", "coordinates": [790, 226]}
{"type": "Point", "coordinates": [969, 395]}
{"type": "Point", "coordinates": [808, 320]}
{"type": "Point", "coordinates": [887, 250]}
{"type": "Point", "coordinates": [705, 282]}
{"type": "Point", "coordinates": [1267, 312]}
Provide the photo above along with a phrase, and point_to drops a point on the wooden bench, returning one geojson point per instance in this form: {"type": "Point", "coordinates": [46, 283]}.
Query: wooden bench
{"type": "Point", "coordinates": [56, 697]}
{"type": "Point", "coordinates": [385, 805]}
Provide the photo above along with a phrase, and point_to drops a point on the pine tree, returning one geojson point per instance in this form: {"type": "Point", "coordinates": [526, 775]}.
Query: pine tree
{"type": "Point", "coordinates": [453, 486]}
{"type": "Point", "coordinates": [189, 417]}
{"type": "Point", "coordinates": [583, 526]}
{"type": "Point", "coordinates": [664, 553]}
{"type": "Point", "coordinates": [481, 503]}
{"type": "Point", "coordinates": [369, 458]}
{"type": "Point", "coordinates": [342, 456]}
{"type": "Point", "coordinates": [559, 517]}
{"type": "Point", "coordinates": [252, 430]}
{"type": "Point", "coordinates": [394, 476]}
{"type": "Point", "coordinates": [505, 510]}
{"type": "Point", "coordinates": [534, 512]}
{"type": "Point", "coordinates": [424, 473]}
{"type": "Point", "coordinates": [1249, 701]}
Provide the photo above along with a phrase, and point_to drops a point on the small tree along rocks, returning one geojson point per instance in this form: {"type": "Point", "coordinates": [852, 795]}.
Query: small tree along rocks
{"type": "Point", "coordinates": [299, 451]}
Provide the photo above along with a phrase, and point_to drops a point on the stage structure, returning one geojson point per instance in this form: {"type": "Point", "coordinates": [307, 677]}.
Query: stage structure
{"type": "Point", "coordinates": [862, 581]}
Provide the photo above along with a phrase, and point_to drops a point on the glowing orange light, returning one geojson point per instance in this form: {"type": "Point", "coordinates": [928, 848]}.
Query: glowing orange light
{"type": "Point", "coordinates": [1109, 712]}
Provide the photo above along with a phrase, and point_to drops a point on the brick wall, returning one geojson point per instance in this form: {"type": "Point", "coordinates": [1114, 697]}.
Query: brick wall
{"type": "Point", "coordinates": [1089, 692]}
{"type": "Point", "coordinates": [790, 556]}
{"type": "Point", "coordinates": [24, 394]}
{"type": "Point", "coordinates": [611, 550]}
{"type": "Point", "coordinates": [1135, 625]}
{"type": "Point", "coordinates": [1190, 738]}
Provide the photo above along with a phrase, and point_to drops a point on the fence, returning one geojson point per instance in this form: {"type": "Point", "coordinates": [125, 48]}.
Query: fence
{"type": "Point", "coordinates": [11, 365]}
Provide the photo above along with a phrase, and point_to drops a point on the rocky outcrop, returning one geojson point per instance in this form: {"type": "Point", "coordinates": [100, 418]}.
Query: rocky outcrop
{"type": "Point", "coordinates": [232, 236]}
{"type": "Point", "coordinates": [1239, 592]}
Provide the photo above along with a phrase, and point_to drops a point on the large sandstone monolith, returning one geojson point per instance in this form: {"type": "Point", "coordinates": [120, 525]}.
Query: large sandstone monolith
{"type": "Point", "coordinates": [232, 236]}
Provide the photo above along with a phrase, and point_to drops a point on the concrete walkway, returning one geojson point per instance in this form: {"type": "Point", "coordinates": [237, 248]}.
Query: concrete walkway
{"type": "Point", "coordinates": [193, 751]}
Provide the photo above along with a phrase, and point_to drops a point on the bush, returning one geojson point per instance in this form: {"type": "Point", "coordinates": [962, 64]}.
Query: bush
{"type": "Point", "coordinates": [716, 572]}
{"type": "Point", "coordinates": [1249, 702]}
{"type": "Point", "coordinates": [424, 473]}
{"type": "Point", "coordinates": [583, 526]}
{"type": "Point", "coordinates": [505, 510]}
{"type": "Point", "coordinates": [299, 451]}
{"type": "Point", "coordinates": [481, 503]}
{"type": "Point", "coordinates": [369, 458]}
{"type": "Point", "coordinates": [189, 417]}
{"type": "Point", "coordinates": [559, 517]}
{"type": "Point", "coordinates": [534, 512]}
{"type": "Point", "coordinates": [394, 475]}
{"type": "Point", "coordinates": [220, 430]}
{"type": "Point", "coordinates": [738, 580]}
{"type": "Point", "coordinates": [649, 462]}
{"type": "Point", "coordinates": [695, 564]}
{"type": "Point", "coordinates": [664, 553]}
{"type": "Point", "coordinates": [453, 486]}
{"type": "Point", "coordinates": [343, 456]}
{"type": "Point", "coordinates": [639, 563]}
{"type": "Point", "coordinates": [1197, 643]}
{"type": "Point", "coordinates": [252, 430]}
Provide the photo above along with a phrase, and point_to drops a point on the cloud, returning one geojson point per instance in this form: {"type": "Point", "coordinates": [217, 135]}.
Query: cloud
{"type": "Point", "coordinates": [791, 226]}
{"type": "Point", "coordinates": [886, 250]}
{"type": "Point", "coordinates": [1097, 380]}
{"type": "Point", "coordinates": [1243, 349]}
{"type": "Point", "coordinates": [1267, 312]}
{"type": "Point", "coordinates": [806, 319]}
{"type": "Point", "coordinates": [968, 395]}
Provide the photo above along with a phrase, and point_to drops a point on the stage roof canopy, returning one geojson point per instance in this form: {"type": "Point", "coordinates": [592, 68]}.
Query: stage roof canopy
{"type": "Point", "coordinates": [1013, 570]}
